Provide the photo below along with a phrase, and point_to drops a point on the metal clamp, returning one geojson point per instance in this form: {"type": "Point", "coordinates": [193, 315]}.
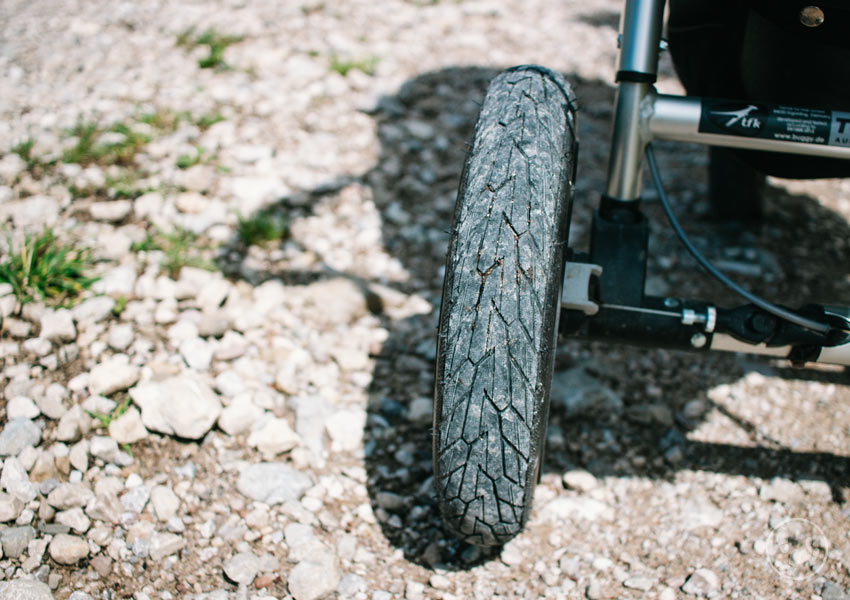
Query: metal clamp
{"type": "Point", "coordinates": [575, 294]}
{"type": "Point", "coordinates": [709, 319]}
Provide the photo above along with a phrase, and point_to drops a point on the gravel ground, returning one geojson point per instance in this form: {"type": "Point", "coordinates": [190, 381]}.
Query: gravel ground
{"type": "Point", "coordinates": [262, 430]}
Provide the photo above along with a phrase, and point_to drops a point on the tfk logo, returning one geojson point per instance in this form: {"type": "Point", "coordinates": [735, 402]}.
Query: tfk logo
{"type": "Point", "coordinates": [733, 118]}
{"type": "Point", "coordinates": [740, 117]}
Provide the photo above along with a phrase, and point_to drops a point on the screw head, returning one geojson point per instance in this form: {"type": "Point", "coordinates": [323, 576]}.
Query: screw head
{"type": "Point", "coordinates": [811, 16]}
{"type": "Point", "coordinates": [671, 302]}
{"type": "Point", "coordinates": [698, 340]}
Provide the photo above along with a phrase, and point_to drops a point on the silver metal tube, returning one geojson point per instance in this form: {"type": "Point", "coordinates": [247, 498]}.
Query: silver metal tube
{"type": "Point", "coordinates": [641, 34]}
{"type": "Point", "coordinates": [835, 355]}
{"type": "Point", "coordinates": [625, 164]}
{"type": "Point", "coordinates": [677, 118]}
{"type": "Point", "coordinates": [640, 38]}
{"type": "Point", "coordinates": [726, 343]}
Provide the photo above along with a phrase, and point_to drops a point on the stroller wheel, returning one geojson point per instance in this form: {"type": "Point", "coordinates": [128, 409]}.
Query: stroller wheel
{"type": "Point", "coordinates": [501, 302]}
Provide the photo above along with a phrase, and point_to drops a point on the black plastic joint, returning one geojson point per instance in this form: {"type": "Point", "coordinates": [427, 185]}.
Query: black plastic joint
{"type": "Point", "coordinates": [636, 77]}
{"type": "Point", "coordinates": [620, 211]}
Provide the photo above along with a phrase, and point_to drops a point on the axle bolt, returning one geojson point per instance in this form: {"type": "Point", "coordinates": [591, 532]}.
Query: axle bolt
{"type": "Point", "coordinates": [698, 340]}
{"type": "Point", "coordinates": [811, 16]}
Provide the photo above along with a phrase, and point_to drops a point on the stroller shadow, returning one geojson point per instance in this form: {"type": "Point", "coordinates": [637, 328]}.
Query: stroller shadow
{"type": "Point", "coordinates": [423, 132]}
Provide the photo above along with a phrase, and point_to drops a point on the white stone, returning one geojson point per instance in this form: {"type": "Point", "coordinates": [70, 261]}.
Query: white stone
{"type": "Point", "coordinates": [165, 544]}
{"type": "Point", "coordinates": [272, 483]}
{"type": "Point", "coordinates": [128, 428]}
{"type": "Point", "coordinates": [93, 310]}
{"type": "Point", "coordinates": [105, 507]}
{"type": "Point", "coordinates": [79, 456]}
{"type": "Point", "coordinates": [240, 415]}
{"type": "Point", "coordinates": [113, 375]}
{"type": "Point", "coordinates": [11, 166]}
{"type": "Point", "coordinates": [15, 480]}
{"type": "Point", "coordinates": [702, 582]}
{"type": "Point", "coordinates": [252, 192]}
{"type": "Point", "coordinates": [17, 434]}
{"type": "Point", "coordinates": [242, 567]}
{"type": "Point", "coordinates": [213, 294]}
{"type": "Point", "coordinates": [302, 542]}
{"type": "Point", "coordinates": [38, 346]}
{"type": "Point", "coordinates": [98, 405]}
{"type": "Point", "coordinates": [51, 403]}
{"type": "Point", "coordinates": [781, 490]}
{"type": "Point", "coordinates": [165, 502]}
{"type": "Point", "coordinates": [667, 594]}
{"type": "Point", "coordinates": [36, 212]}
{"type": "Point", "coordinates": [135, 499]}
{"type": "Point", "coordinates": [112, 211]}
{"type": "Point", "coordinates": [68, 549]}
{"type": "Point", "coordinates": [25, 589]}
{"type": "Point", "coordinates": [438, 581]}
{"type": "Point", "coordinates": [414, 590]}
{"type": "Point", "coordinates": [639, 582]}
{"type": "Point", "coordinates": [21, 407]}
{"type": "Point", "coordinates": [74, 518]}
{"type": "Point", "coordinates": [183, 405]}
{"type": "Point", "coordinates": [104, 448]}
{"type": "Point", "coordinates": [166, 312]}
{"type": "Point", "coordinates": [28, 456]}
{"type": "Point", "coordinates": [69, 495]}
{"type": "Point", "coordinates": [346, 429]}
{"type": "Point", "coordinates": [72, 425]}
{"type": "Point", "coordinates": [118, 281]}
{"type": "Point", "coordinates": [274, 437]}
{"type": "Point", "coordinates": [148, 205]}
{"type": "Point", "coordinates": [580, 480]}
{"type": "Point", "coordinates": [700, 513]}
{"type": "Point", "coordinates": [420, 410]}
{"type": "Point", "coordinates": [10, 507]}
{"type": "Point", "coordinates": [120, 336]}
{"type": "Point", "coordinates": [563, 509]}
{"type": "Point", "coordinates": [314, 578]}
{"type": "Point", "coordinates": [197, 353]}
{"type": "Point", "coordinates": [58, 325]}
{"type": "Point", "coordinates": [229, 383]}
{"type": "Point", "coordinates": [579, 393]}
{"type": "Point", "coordinates": [191, 202]}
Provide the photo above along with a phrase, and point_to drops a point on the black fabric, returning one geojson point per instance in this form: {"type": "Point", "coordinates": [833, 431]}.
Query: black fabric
{"type": "Point", "coordinates": [759, 51]}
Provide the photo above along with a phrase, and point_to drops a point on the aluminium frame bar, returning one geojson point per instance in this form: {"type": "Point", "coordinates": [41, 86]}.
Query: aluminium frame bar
{"type": "Point", "coordinates": [637, 70]}
{"type": "Point", "coordinates": [679, 118]}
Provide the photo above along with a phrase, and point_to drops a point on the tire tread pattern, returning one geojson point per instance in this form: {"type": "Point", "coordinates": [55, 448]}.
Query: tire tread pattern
{"type": "Point", "coordinates": [500, 304]}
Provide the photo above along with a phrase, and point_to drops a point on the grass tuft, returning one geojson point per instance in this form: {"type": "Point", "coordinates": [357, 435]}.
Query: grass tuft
{"type": "Point", "coordinates": [88, 148]}
{"type": "Point", "coordinates": [343, 65]}
{"type": "Point", "coordinates": [24, 149]}
{"type": "Point", "coordinates": [263, 227]}
{"type": "Point", "coordinates": [42, 269]}
{"type": "Point", "coordinates": [105, 419]}
{"type": "Point", "coordinates": [185, 161]}
{"type": "Point", "coordinates": [216, 42]}
{"type": "Point", "coordinates": [208, 120]}
{"type": "Point", "coordinates": [180, 249]}
{"type": "Point", "coordinates": [120, 305]}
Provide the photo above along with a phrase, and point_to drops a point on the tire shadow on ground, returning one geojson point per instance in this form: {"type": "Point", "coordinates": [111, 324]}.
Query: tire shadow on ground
{"type": "Point", "coordinates": [423, 132]}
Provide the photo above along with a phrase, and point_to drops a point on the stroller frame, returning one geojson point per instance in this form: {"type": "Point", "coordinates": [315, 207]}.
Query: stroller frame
{"type": "Point", "coordinates": [603, 292]}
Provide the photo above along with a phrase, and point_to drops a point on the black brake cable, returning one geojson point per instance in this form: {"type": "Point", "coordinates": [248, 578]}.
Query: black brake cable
{"type": "Point", "coordinates": [763, 304]}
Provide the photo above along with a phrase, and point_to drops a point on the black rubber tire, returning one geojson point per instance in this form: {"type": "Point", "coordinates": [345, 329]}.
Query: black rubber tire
{"type": "Point", "coordinates": [500, 307]}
